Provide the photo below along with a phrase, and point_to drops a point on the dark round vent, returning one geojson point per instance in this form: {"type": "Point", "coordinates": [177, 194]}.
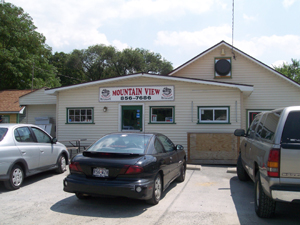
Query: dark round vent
{"type": "Point", "coordinates": [223, 67]}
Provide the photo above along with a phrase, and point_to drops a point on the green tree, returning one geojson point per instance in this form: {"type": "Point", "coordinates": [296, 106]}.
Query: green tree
{"type": "Point", "coordinates": [100, 62]}
{"type": "Point", "coordinates": [290, 70]}
{"type": "Point", "coordinates": [23, 52]}
{"type": "Point", "coordinates": [69, 67]}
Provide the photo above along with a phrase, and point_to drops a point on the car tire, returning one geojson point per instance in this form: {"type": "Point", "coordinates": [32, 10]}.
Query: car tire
{"type": "Point", "coordinates": [181, 177]}
{"type": "Point", "coordinates": [16, 178]}
{"type": "Point", "coordinates": [240, 170]}
{"type": "Point", "coordinates": [157, 191]}
{"type": "Point", "coordinates": [264, 205]}
{"type": "Point", "coordinates": [61, 164]}
{"type": "Point", "coordinates": [81, 196]}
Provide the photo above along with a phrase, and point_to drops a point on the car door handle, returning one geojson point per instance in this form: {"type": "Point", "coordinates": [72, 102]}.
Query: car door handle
{"type": "Point", "coordinates": [23, 152]}
{"type": "Point", "coordinates": [245, 144]}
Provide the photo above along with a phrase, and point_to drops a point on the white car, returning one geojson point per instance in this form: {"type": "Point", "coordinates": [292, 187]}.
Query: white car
{"type": "Point", "coordinates": [26, 149]}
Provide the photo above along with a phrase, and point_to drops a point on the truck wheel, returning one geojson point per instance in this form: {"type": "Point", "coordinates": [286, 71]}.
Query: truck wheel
{"type": "Point", "coordinates": [241, 172]}
{"type": "Point", "coordinates": [16, 178]}
{"type": "Point", "coordinates": [264, 205]}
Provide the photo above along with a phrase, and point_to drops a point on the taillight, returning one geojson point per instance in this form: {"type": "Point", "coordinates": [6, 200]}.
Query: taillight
{"type": "Point", "coordinates": [274, 162]}
{"type": "Point", "coordinates": [131, 169]}
{"type": "Point", "coordinates": [75, 167]}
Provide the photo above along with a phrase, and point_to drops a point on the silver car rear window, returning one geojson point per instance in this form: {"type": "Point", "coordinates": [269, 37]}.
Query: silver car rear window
{"type": "Point", "coordinates": [2, 133]}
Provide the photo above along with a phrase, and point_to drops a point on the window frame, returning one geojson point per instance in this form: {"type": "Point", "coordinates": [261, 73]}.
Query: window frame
{"type": "Point", "coordinates": [163, 122]}
{"type": "Point", "coordinates": [227, 108]}
{"type": "Point", "coordinates": [79, 108]}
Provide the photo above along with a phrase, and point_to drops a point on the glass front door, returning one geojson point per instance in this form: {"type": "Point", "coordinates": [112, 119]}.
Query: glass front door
{"type": "Point", "coordinates": [132, 118]}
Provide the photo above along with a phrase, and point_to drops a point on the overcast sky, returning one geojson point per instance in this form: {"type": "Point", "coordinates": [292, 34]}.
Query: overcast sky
{"type": "Point", "coordinates": [268, 30]}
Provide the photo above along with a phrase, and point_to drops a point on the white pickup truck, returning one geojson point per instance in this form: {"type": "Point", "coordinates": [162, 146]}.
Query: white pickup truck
{"type": "Point", "coordinates": [270, 156]}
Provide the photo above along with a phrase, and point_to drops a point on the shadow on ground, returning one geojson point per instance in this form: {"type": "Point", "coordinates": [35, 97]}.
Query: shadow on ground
{"type": "Point", "coordinates": [243, 197]}
{"type": "Point", "coordinates": [31, 179]}
{"type": "Point", "coordinates": [106, 207]}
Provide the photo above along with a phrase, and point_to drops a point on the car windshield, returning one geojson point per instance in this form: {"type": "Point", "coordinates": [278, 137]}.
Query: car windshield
{"type": "Point", "coordinates": [121, 143]}
{"type": "Point", "coordinates": [2, 133]}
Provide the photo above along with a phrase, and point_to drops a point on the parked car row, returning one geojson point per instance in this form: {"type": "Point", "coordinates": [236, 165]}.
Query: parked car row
{"type": "Point", "coordinates": [143, 165]}
{"type": "Point", "coordinates": [134, 165]}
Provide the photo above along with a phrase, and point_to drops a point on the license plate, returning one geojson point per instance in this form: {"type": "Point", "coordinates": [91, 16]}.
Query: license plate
{"type": "Point", "coordinates": [100, 172]}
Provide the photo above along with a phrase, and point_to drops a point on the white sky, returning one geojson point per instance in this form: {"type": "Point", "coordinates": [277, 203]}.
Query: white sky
{"type": "Point", "coordinates": [179, 30]}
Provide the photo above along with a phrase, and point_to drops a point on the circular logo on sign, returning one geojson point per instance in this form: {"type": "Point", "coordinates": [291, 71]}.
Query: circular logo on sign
{"type": "Point", "coordinates": [105, 92]}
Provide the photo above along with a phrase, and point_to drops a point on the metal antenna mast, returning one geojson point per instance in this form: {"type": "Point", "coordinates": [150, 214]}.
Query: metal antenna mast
{"type": "Point", "coordinates": [232, 28]}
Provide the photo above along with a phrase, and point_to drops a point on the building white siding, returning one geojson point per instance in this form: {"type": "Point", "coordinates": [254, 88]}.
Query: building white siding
{"type": "Point", "coordinates": [186, 95]}
{"type": "Point", "coordinates": [270, 89]}
{"type": "Point", "coordinates": [37, 97]}
{"type": "Point", "coordinates": [34, 111]}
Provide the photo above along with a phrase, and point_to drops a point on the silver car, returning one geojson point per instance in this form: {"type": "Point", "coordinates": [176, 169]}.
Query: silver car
{"type": "Point", "coordinates": [270, 156]}
{"type": "Point", "coordinates": [26, 149]}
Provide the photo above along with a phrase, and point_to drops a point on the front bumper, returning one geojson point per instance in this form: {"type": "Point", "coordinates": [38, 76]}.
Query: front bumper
{"type": "Point", "coordinates": [137, 189]}
{"type": "Point", "coordinates": [285, 193]}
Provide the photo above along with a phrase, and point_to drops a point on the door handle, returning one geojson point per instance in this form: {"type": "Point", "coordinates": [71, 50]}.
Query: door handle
{"type": "Point", "coordinates": [23, 152]}
{"type": "Point", "coordinates": [245, 144]}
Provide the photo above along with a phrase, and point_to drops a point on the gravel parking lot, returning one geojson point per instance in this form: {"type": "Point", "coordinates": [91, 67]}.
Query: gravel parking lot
{"type": "Point", "coordinates": [211, 195]}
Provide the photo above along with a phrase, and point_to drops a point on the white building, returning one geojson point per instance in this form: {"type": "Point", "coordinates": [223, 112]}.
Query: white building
{"type": "Point", "coordinates": [198, 105]}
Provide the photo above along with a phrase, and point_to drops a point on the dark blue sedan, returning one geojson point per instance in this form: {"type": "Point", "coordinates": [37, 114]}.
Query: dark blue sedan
{"type": "Point", "coordinates": [133, 165]}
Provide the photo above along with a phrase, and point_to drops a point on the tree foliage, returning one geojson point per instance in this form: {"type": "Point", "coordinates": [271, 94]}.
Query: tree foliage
{"type": "Point", "coordinates": [23, 52]}
{"type": "Point", "coordinates": [290, 70]}
{"type": "Point", "coordinates": [99, 62]}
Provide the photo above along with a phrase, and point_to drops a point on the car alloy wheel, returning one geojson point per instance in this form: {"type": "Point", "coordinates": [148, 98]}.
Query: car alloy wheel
{"type": "Point", "coordinates": [61, 164]}
{"type": "Point", "coordinates": [15, 179]}
{"type": "Point", "coordinates": [157, 188]}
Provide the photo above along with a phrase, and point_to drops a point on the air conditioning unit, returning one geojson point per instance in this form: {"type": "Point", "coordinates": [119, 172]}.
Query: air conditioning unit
{"type": "Point", "coordinates": [222, 67]}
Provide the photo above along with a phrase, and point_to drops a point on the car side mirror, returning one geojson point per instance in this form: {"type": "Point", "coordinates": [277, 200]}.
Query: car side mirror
{"type": "Point", "coordinates": [239, 132]}
{"type": "Point", "coordinates": [179, 147]}
{"type": "Point", "coordinates": [54, 140]}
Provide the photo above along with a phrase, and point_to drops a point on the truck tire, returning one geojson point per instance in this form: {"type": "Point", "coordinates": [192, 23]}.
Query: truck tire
{"type": "Point", "coordinates": [264, 205]}
{"type": "Point", "coordinates": [240, 170]}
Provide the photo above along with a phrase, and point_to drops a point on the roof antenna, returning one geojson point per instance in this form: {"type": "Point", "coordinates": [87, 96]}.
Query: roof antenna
{"type": "Point", "coordinates": [232, 29]}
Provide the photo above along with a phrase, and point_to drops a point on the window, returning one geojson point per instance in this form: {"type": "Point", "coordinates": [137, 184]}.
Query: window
{"type": "Point", "coordinates": [251, 115]}
{"type": "Point", "coordinates": [213, 114]}
{"type": "Point", "coordinates": [80, 115]}
{"type": "Point", "coordinates": [158, 147]}
{"type": "Point", "coordinates": [166, 142]}
{"type": "Point", "coordinates": [2, 133]}
{"type": "Point", "coordinates": [291, 130]}
{"type": "Point", "coordinates": [5, 119]}
{"type": "Point", "coordinates": [23, 134]}
{"type": "Point", "coordinates": [251, 130]}
{"type": "Point", "coordinates": [162, 114]}
{"type": "Point", "coordinates": [270, 125]}
{"type": "Point", "coordinates": [41, 136]}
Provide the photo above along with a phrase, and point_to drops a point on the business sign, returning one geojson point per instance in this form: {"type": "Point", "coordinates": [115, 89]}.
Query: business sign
{"type": "Point", "coordinates": [134, 94]}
